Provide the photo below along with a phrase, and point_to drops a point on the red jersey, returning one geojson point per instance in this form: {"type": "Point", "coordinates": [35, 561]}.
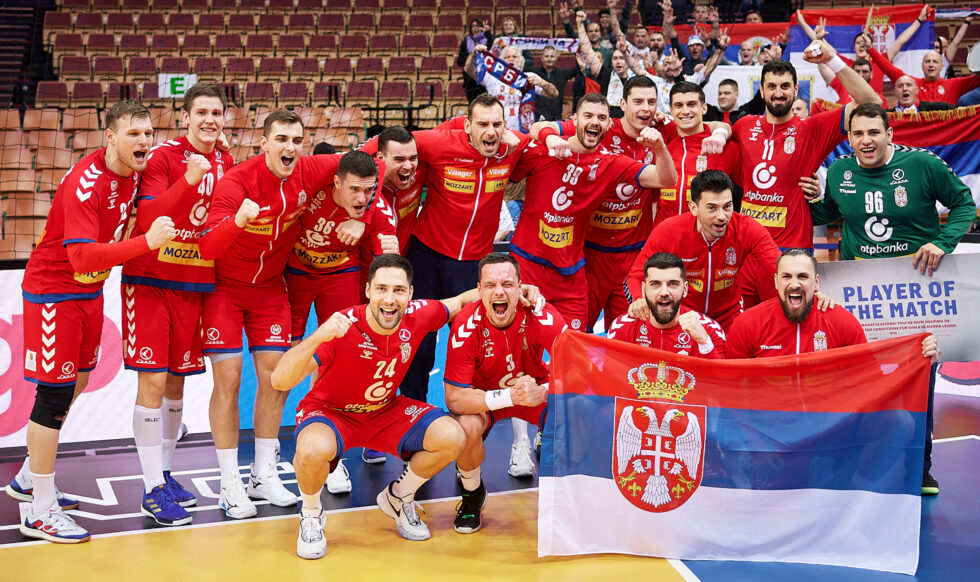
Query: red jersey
{"type": "Point", "coordinates": [877, 78]}
{"type": "Point", "coordinates": [711, 267]}
{"type": "Point", "coordinates": [944, 90]}
{"type": "Point", "coordinates": [177, 264]}
{"type": "Point", "coordinates": [763, 332]}
{"type": "Point", "coordinates": [258, 252]}
{"type": "Point", "coordinates": [361, 371]}
{"type": "Point", "coordinates": [689, 161]}
{"type": "Point", "coordinates": [672, 339]}
{"type": "Point", "coordinates": [317, 249]}
{"type": "Point", "coordinates": [486, 357]}
{"type": "Point", "coordinates": [405, 202]}
{"type": "Point", "coordinates": [624, 219]}
{"type": "Point", "coordinates": [843, 97]}
{"type": "Point", "coordinates": [91, 205]}
{"type": "Point", "coordinates": [559, 201]}
{"type": "Point", "coordinates": [465, 192]}
{"type": "Point", "coordinates": [774, 158]}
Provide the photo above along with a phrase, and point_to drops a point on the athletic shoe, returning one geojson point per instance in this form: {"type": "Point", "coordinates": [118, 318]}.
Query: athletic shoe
{"type": "Point", "coordinates": [929, 484]}
{"type": "Point", "coordinates": [182, 431]}
{"type": "Point", "coordinates": [54, 525]}
{"type": "Point", "coordinates": [405, 514]}
{"type": "Point", "coordinates": [21, 492]}
{"type": "Point", "coordinates": [182, 496]}
{"type": "Point", "coordinates": [521, 464]}
{"type": "Point", "coordinates": [469, 509]}
{"type": "Point", "coordinates": [338, 481]}
{"type": "Point", "coordinates": [311, 544]}
{"type": "Point", "coordinates": [269, 486]}
{"type": "Point", "coordinates": [163, 508]}
{"type": "Point", "coordinates": [233, 500]}
{"type": "Point", "coordinates": [373, 457]}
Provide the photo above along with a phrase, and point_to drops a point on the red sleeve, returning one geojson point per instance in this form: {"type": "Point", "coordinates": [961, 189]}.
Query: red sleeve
{"type": "Point", "coordinates": [847, 61]}
{"type": "Point", "coordinates": [157, 195]}
{"type": "Point", "coordinates": [842, 93]}
{"type": "Point", "coordinates": [827, 131]}
{"type": "Point", "coordinates": [461, 357]}
{"type": "Point", "coordinates": [854, 331]}
{"type": "Point", "coordinates": [431, 144]}
{"type": "Point", "coordinates": [434, 314]}
{"type": "Point", "coordinates": [717, 338]}
{"type": "Point", "coordinates": [737, 340]}
{"type": "Point", "coordinates": [318, 171]}
{"type": "Point", "coordinates": [668, 131]}
{"type": "Point", "coordinates": [458, 122]}
{"type": "Point", "coordinates": [885, 66]}
{"type": "Point", "coordinates": [627, 170]}
{"type": "Point", "coordinates": [634, 279]}
{"type": "Point", "coordinates": [220, 229]}
{"type": "Point", "coordinates": [324, 353]}
{"type": "Point", "coordinates": [957, 86]}
{"type": "Point", "coordinates": [382, 223]}
{"type": "Point", "coordinates": [530, 157]}
{"type": "Point", "coordinates": [93, 256]}
{"type": "Point", "coordinates": [566, 128]}
{"type": "Point", "coordinates": [738, 126]}
{"type": "Point", "coordinates": [369, 147]}
{"type": "Point", "coordinates": [81, 211]}
{"type": "Point", "coordinates": [765, 252]}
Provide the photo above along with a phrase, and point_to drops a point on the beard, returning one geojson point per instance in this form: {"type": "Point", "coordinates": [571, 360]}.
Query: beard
{"type": "Point", "coordinates": [798, 315]}
{"type": "Point", "coordinates": [664, 317]}
{"type": "Point", "coordinates": [779, 110]}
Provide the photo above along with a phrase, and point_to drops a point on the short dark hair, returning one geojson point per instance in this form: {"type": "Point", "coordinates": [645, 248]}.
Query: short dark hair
{"type": "Point", "coordinates": [664, 261]}
{"type": "Point", "coordinates": [324, 148]}
{"type": "Point", "coordinates": [483, 100]}
{"type": "Point", "coordinates": [731, 82]}
{"type": "Point", "coordinates": [863, 63]}
{"type": "Point", "coordinates": [357, 163]}
{"type": "Point", "coordinates": [752, 11]}
{"type": "Point", "coordinates": [395, 133]}
{"type": "Point", "coordinates": [686, 87]}
{"type": "Point", "coordinates": [870, 110]}
{"type": "Point", "coordinates": [597, 98]}
{"type": "Point", "coordinates": [637, 82]}
{"type": "Point", "coordinates": [778, 67]}
{"type": "Point", "coordinates": [280, 116]}
{"type": "Point", "coordinates": [390, 261]}
{"type": "Point", "coordinates": [604, 11]}
{"type": "Point", "coordinates": [125, 108]}
{"type": "Point", "coordinates": [797, 252]}
{"type": "Point", "coordinates": [494, 259]}
{"type": "Point", "coordinates": [710, 181]}
{"type": "Point", "coordinates": [203, 90]}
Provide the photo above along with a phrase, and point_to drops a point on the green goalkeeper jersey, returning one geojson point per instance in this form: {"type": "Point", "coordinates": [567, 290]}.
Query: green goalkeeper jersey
{"type": "Point", "coordinates": [890, 211]}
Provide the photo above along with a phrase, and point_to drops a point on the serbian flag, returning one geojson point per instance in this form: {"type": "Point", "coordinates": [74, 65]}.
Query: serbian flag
{"type": "Point", "coordinates": [887, 23]}
{"type": "Point", "coordinates": [953, 135]}
{"type": "Point", "coordinates": [761, 35]}
{"type": "Point", "coordinates": [814, 459]}
{"type": "Point", "coordinates": [487, 63]}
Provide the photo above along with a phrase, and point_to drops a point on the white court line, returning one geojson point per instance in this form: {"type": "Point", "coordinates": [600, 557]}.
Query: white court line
{"type": "Point", "coordinates": [682, 569]}
{"type": "Point", "coordinates": [965, 437]}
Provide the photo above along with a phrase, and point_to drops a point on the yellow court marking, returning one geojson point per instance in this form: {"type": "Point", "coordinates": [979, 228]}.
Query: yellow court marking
{"type": "Point", "coordinates": [362, 545]}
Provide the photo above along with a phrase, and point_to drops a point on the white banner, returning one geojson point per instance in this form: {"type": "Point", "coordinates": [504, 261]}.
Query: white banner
{"type": "Point", "coordinates": [748, 78]}
{"type": "Point", "coordinates": [174, 85]}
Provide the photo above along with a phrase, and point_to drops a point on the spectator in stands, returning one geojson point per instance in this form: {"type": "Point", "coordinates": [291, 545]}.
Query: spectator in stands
{"type": "Point", "coordinates": [478, 35]}
{"type": "Point", "coordinates": [862, 67]}
{"type": "Point", "coordinates": [508, 27]}
{"type": "Point", "coordinates": [906, 91]}
{"type": "Point", "coordinates": [673, 73]}
{"type": "Point", "coordinates": [753, 16]}
{"type": "Point", "coordinates": [746, 53]}
{"type": "Point", "coordinates": [324, 148]}
{"type": "Point", "coordinates": [546, 108]}
{"type": "Point", "coordinates": [932, 87]}
{"type": "Point", "coordinates": [800, 108]}
{"type": "Point", "coordinates": [509, 97]}
{"type": "Point", "coordinates": [727, 100]}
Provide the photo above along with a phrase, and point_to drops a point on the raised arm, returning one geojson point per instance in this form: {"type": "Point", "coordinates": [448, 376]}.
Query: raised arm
{"type": "Point", "coordinates": [859, 89]}
{"type": "Point", "coordinates": [298, 362]}
{"type": "Point", "coordinates": [592, 59]}
{"type": "Point", "coordinates": [662, 173]}
{"type": "Point", "coordinates": [954, 44]}
{"type": "Point", "coordinates": [470, 67]}
{"type": "Point", "coordinates": [908, 33]}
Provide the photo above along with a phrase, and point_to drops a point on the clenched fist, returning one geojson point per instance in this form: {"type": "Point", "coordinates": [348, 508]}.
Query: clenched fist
{"type": "Point", "coordinates": [350, 231]}
{"type": "Point", "coordinates": [389, 244]}
{"type": "Point", "coordinates": [527, 392]}
{"type": "Point", "coordinates": [197, 166]}
{"type": "Point", "coordinates": [335, 326]}
{"type": "Point", "coordinates": [161, 232]}
{"type": "Point", "coordinates": [246, 213]}
{"type": "Point", "coordinates": [557, 147]}
{"type": "Point", "coordinates": [651, 138]}
{"type": "Point", "coordinates": [691, 323]}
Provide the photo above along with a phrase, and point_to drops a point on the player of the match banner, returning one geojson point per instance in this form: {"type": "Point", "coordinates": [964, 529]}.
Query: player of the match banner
{"type": "Point", "coordinates": [814, 459]}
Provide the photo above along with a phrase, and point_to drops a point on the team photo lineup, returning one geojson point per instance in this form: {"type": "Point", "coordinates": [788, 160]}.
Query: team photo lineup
{"type": "Point", "coordinates": [651, 212]}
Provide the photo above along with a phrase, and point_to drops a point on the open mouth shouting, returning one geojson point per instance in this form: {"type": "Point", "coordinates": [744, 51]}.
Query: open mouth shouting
{"type": "Point", "coordinates": [795, 298]}
{"type": "Point", "coordinates": [388, 317]}
{"type": "Point", "coordinates": [140, 156]}
{"type": "Point", "coordinates": [500, 307]}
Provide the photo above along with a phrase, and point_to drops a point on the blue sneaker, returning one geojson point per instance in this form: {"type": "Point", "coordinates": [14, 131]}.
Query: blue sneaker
{"type": "Point", "coordinates": [182, 496]}
{"type": "Point", "coordinates": [372, 457]}
{"type": "Point", "coordinates": [161, 506]}
{"type": "Point", "coordinates": [23, 493]}
{"type": "Point", "coordinates": [55, 526]}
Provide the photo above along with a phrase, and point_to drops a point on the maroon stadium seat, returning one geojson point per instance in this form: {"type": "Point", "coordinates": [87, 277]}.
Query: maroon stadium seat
{"type": "Point", "coordinates": [292, 93]}
{"type": "Point", "coordinates": [352, 45]}
{"type": "Point", "coordinates": [196, 44]}
{"type": "Point", "coordinates": [119, 22]}
{"type": "Point", "coordinates": [260, 93]}
{"type": "Point", "coordinates": [89, 22]}
{"type": "Point", "coordinates": [323, 45]}
{"type": "Point", "coordinates": [150, 22]}
{"type": "Point", "coordinates": [228, 44]}
{"type": "Point", "coordinates": [180, 23]}
{"type": "Point", "coordinates": [75, 68]}
{"type": "Point", "coordinates": [337, 69]}
{"type": "Point", "coordinates": [272, 69]}
{"type": "Point", "coordinates": [301, 23]}
{"type": "Point", "coordinates": [141, 68]}
{"type": "Point", "coordinates": [133, 45]}
{"type": "Point", "coordinates": [259, 45]}
{"type": "Point", "coordinates": [87, 94]}
{"type": "Point", "coordinates": [108, 68]}
{"type": "Point", "coordinates": [331, 23]}
{"type": "Point", "coordinates": [402, 68]}
{"type": "Point", "coordinates": [362, 22]}
{"type": "Point", "coordinates": [384, 45]}
{"type": "Point", "coordinates": [391, 23]}
{"type": "Point", "coordinates": [240, 69]}
{"type": "Point", "coordinates": [305, 69]}
{"type": "Point", "coordinates": [415, 45]}
{"type": "Point", "coordinates": [209, 69]}
{"type": "Point", "coordinates": [241, 23]}
{"type": "Point", "coordinates": [211, 23]}
{"type": "Point", "coordinates": [175, 65]}
{"type": "Point", "coordinates": [100, 44]}
{"type": "Point", "coordinates": [369, 67]}
{"type": "Point", "coordinates": [289, 45]}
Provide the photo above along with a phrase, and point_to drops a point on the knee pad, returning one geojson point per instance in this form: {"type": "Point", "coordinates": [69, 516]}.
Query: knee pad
{"type": "Point", "coordinates": [51, 405]}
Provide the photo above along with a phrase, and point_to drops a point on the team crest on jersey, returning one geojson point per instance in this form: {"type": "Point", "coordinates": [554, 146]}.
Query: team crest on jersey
{"type": "Point", "coordinates": [593, 170]}
{"type": "Point", "coordinates": [616, 141]}
{"type": "Point", "coordinates": [187, 356]}
{"type": "Point", "coordinates": [576, 323]}
{"type": "Point", "coordinates": [301, 199]}
{"type": "Point", "coordinates": [367, 354]}
{"type": "Point", "coordinates": [820, 342]}
{"type": "Point", "coordinates": [901, 197]}
{"type": "Point", "coordinates": [701, 164]}
{"type": "Point", "coordinates": [220, 172]}
{"type": "Point", "coordinates": [847, 174]}
{"type": "Point", "coordinates": [730, 258]}
{"type": "Point", "coordinates": [789, 144]}
{"type": "Point", "coordinates": [643, 329]}
{"type": "Point", "coordinates": [213, 334]}
{"type": "Point", "coordinates": [406, 350]}
{"type": "Point", "coordinates": [684, 339]}
{"type": "Point", "coordinates": [275, 329]}
{"type": "Point", "coordinates": [114, 185]}
{"type": "Point", "coordinates": [658, 453]}
{"type": "Point", "coordinates": [486, 332]}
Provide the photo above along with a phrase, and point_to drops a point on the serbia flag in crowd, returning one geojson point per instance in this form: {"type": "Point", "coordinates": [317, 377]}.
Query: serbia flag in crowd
{"type": "Point", "coordinates": [814, 459]}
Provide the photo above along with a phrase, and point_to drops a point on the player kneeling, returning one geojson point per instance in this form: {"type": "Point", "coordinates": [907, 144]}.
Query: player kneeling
{"type": "Point", "coordinates": [494, 370]}
{"type": "Point", "coordinates": [361, 356]}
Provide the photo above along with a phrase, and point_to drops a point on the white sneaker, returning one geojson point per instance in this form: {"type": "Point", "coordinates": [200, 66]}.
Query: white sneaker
{"type": "Point", "coordinates": [521, 463]}
{"type": "Point", "coordinates": [54, 525]}
{"type": "Point", "coordinates": [311, 543]}
{"type": "Point", "coordinates": [233, 500]}
{"type": "Point", "coordinates": [406, 515]}
{"type": "Point", "coordinates": [269, 486]}
{"type": "Point", "coordinates": [338, 481]}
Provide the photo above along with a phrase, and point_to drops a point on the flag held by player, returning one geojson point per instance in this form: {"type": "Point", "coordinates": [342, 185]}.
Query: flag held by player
{"type": "Point", "coordinates": [814, 459]}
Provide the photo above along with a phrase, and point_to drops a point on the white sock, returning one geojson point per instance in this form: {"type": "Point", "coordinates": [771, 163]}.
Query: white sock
{"type": "Point", "coordinates": [147, 431]}
{"type": "Point", "coordinates": [406, 485]}
{"type": "Point", "coordinates": [520, 428]}
{"type": "Point", "coordinates": [173, 411]}
{"type": "Point", "coordinates": [228, 463]}
{"type": "Point", "coordinates": [470, 479]}
{"type": "Point", "coordinates": [44, 496]}
{"type": "Point", "coordinates": [265, 455]}
{"type": "Point", "coordinates": [311, 502]}
{"type": "Point", "coordinates": [24, 473]}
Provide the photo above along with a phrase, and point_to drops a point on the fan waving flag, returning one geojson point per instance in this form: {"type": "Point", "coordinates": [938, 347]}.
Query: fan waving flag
{"type": "Point", "coordinates": [814, 458]}
{"type": "Point", "coordinates": [887, 24]}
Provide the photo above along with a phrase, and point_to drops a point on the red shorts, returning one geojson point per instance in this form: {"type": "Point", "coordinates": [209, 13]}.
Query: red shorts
{"type": "Point", "coordinates": [398, 428]}
{"type": "Point", "coordinates": [162, 330]}
{"type": "Point", "coordinates": [262, 310]}
{"type": "Point", "coordinates": [567, 293]}
{"type": "Point", "coordinates": [605, 273]}
{"type": "Point", "coordinates": [61, 339]}
{"type": "Point", "coordinates": [532, 414]}
{"type": "Point", "coordinates": [329, 292]}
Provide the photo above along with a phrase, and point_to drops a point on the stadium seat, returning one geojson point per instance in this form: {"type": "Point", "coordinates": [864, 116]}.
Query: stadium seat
{"type": "Point", "coordinates": [74, 5]}
{"type": "Point", "coordinates": [175, 65]}
{"type": "Point", "coordinates": [451, 22]}
{"type": "Point", "coordinates": [323, 46]}
{"type": "Point", "coordinates": [420, 24]}
{"type": "Point", "coordinates": [49, 179]}
{"type": "Point", "coordinates": [434, 67]}
{"type": "Point", "coordinates": [133, 45]}
{"type": "Point", "coordinates": [103, 5]}
{"type": "Point", "coordinates": [232, 91]}
{"type": "Point", "coordinates": [305, 69]}
{"type": "Point", "coordinates": [119, 22]}
{"type": "Point", "coordinates": [164, 44]}
{"type": "Point", "coordinates": [75, 68]}
{"type": "Point", "coordinates": [141, 69]}
{"type": "Point", "coordinates": [213, 23]}
{"type": "Point", "coordinates": [280, 5]}
{"type": "Point", "coordinates": [9, 119]}
{"type": "Point", "coordinates": [224, 6]}
{"type": "Point", "coordinates": [337, 6]}
{"type": "Point", "coordinates": [163, 117]}
{"type": "Point", "coordinates": [100, 44]}
{"type": "Point", "coordinates": [456, 101]}
{"type": "Point", "coordinates": [402, 68]}
{"type": "Point", "coordinates": [119, 91]}
{"type": "Point", "coordinates": [369, 6]}
{"type": "Point", "coordinates": [261, 112]}
{"type": "Point", "coordinates": [539, 24]}
{"type": "Point", "coordinates": [240, 70]}
{"type": "Point", "coordinates": [361, 22]}
{"type": "Point", "coordinates": [445, 44]}
{"type": "Point", "coordinates": [16, 157]}
{"type": "Point", "coordinates": [331, 23]}
{"type": "Point", "coordinates": [251, 6]}
{"type": "Point", "coordinates": [362, 93]}
{"type": "Point", "coordinates": [301, 23]}
{"type": "Point", "coordinates": [196, 44]}
{"type": "Point", "coordinates": [56, 22]}
{"type": "Point", "coordinates": [347, 118]}
{"type": "Point", "coordinates": [394, 93]}
{"type": "Point", "coordinates": [483, 6]}
{"type": "Point", "coordinates": [384, 45]}
{"type": "Point", "coordinates": [66, 44]}
{"type": "Point", "coordinates": [391, 23]}
{"type": "Point", "coordinates": [337, 69]}
{"type": "Point", "coordinates": [292, 93]}
{"type": "Point", "coordinates": [312, 5]}
{"type": "Point", "coordinates": [507, 7]}
{"type": "Point", "coordinates": [272, 23]}
{"type": "Point", "coordinates": [48, 118]}
{"type": "Point", "coordinates": [209, 69]}
{"type": "Point", "coordinates": [272, 69]}
{"type": "Point", "coordinates": [369, 67]}
{"type": "Point", "coordinates": [170, 6]}
{"type": "Point", "coordinates": [260, 93]}
{"type": "Point", "coordinates": [53, 158]}
{"type": "Point", "coordinates": [193, 6]}
{"type": "Point", "coordinates": [20, 181]}
{"type": "Point", "coordinates": [290, 45]}
{"type": "Point", "coordinates": [150, 22]}
{"type": "Point", "coordinates": [108, 69]}
{"type": "Point", "coordinates": [89, 23]}
{"type": "Point", "coordinates": [414, 45]}
{"type": "Point", "coordinates": [259, 45]}
{"type": "Point", "coordinates": [241, 24]}
{"type": "Point", "coordinates": [15, 138]}
{"type": "Point", "coordinates": [228, 45]}
{"type": "Point", "coordinates": [180, 23]}
{"type": "Point", "coordinates": [426, 6]}
{"type": "Point", "coordinates": [52, 94]}
{"type": "Point", "coordinates": [81, 119]}
{"type": "Point", "coordinates": [328, 93]}
{"type": "Point", "coordinates": [352, 45]}
{"type": "Point", "coordinates": [313, 117]}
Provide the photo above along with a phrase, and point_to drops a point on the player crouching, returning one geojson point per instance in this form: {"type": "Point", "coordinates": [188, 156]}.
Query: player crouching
{"type": "Point", "coordinates": [494, 370]}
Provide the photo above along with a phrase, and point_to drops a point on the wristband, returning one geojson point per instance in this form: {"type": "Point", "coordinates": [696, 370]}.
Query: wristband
{"type": "Point", "coordinates": [545, 133]}
{"type": "Point", "coordinates": [722, 131]}
{"type": "Point", "coordinates": [497, 399]}
{"type": "Point", "coordinates": [836, 64]}
{"type": "Point", "coordinates": [706, 348]}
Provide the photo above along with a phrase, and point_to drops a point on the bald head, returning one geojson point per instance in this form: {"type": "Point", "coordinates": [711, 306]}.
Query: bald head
{"type": "Point", "coordinates": [932, 65]}
{"type": "Point", "coordinates": [746, 52]}
{"type": "Point", "coordinates": [906, 91]}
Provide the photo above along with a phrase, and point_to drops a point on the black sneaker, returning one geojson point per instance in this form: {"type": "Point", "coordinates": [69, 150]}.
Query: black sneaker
{"type": "Point", "coordinates": [929, 484]}
{"type": "Point", "coordinates": [468, 511]}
